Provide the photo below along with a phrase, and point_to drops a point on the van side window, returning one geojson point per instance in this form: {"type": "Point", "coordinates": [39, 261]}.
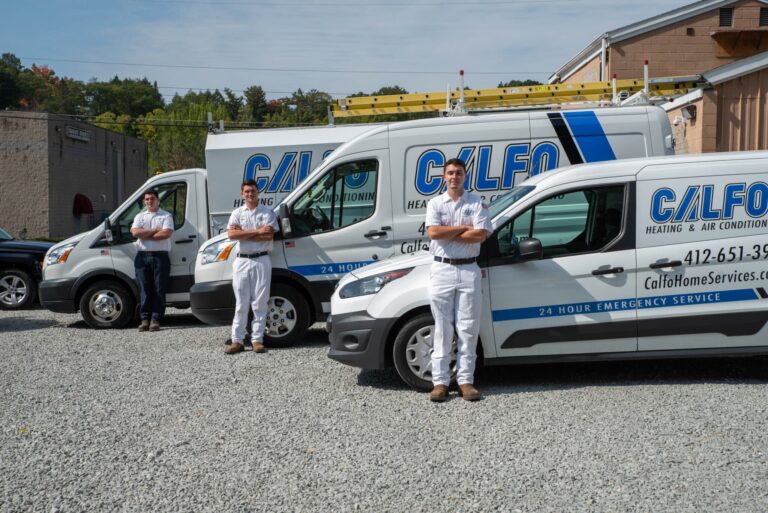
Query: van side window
{"type": "Point", "coordinates": [574, 222]}
{"type": "Point", "coordinates": [173, 199]}
{"type": "Point", "coordinates": [344, 196]}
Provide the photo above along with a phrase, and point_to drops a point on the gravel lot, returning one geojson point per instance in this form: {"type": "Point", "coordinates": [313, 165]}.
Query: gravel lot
{"type": "Point", "coordinates": [127, 421]}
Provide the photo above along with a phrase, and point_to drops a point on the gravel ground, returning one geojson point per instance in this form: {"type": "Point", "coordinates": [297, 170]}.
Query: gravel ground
{"type": "Point", "coordinates": [123, 421]}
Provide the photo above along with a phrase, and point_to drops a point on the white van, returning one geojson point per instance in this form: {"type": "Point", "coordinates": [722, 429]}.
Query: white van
{"type": "Point", "coordinates": [93, 272]}
{"type": "Point", "coordinates": [643, 258]}
{"type": "Point", "coordinates": [366, 202]}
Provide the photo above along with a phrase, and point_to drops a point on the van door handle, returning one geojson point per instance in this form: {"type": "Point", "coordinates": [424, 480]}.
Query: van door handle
{"type": "Point", "coordinates": [184, 241]}
{"type": "Point", "coordinates": [374, 233]}
{"type": "Point", "coordinates": [610, 270]}
{"type": "Point", "coordinates": [662, 265]}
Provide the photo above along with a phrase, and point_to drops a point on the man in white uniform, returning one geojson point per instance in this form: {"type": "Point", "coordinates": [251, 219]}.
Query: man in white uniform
{"type": "Point", "coordinates": [254, 227]}
{"type": "Point", "coordinates": [457, 222]}
{"type": "Point", "coordinates": [152, 228]}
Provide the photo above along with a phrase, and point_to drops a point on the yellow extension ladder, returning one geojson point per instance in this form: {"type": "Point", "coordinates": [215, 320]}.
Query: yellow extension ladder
{"type": "Point", "coordinates": [514, 97]}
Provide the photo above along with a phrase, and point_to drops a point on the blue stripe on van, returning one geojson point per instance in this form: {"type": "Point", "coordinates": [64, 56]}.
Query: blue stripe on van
{"type": "Point", "coordinates": [616, 305]}
{"type": "Point", "coordinates": [590, 136]}
{"type": "Point", "coordinates": [331, 268]}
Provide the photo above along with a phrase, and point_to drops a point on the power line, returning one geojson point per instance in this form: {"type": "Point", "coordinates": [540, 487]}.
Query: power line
{"type": "Point", "coordinates": [287, 70]}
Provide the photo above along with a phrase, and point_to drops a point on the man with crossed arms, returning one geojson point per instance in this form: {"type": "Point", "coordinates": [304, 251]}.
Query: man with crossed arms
{"type": "Point", "coordinates": [457, 223]}
{"type": "Point", "coordinates": [254, 227]}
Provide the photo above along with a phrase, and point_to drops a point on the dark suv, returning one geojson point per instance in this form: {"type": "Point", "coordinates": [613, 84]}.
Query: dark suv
{"type": "Point", "coordinates": [20, 270]}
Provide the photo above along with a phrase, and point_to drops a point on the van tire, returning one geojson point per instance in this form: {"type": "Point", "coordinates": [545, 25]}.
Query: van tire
{"type": "Point", "coordinates": [412, 352]}
{"type": "Point", "coordinates": [107, 305]}
{"type": "Point", "coordinates": [17, 289]}
{"type": "Point", "coordinates": [287, 316]}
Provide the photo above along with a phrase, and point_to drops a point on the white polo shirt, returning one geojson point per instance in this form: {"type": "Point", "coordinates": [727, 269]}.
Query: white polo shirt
{"type": "Point", "coordinates": [159, 220]}
{"type": "Point", "coordinates": [469, 211]}
{"type": "Point", "coordinates": [248, 219]}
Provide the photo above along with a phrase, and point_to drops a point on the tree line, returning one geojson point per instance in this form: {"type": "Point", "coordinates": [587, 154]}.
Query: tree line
{"type": "Point", "coordinates": [175, 131]}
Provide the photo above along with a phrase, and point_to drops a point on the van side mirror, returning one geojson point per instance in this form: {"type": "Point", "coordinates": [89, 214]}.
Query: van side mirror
{"type": "Point", "coordinates": [530, 249]}
{"type": "Point", "coordinates": [284, 213]}
{"type": "Point", "coordinates": [108, 233]}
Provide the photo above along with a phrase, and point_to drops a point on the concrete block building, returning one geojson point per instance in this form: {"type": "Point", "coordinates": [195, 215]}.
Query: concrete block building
{"type": "Point", "coordinates": [59, 176]}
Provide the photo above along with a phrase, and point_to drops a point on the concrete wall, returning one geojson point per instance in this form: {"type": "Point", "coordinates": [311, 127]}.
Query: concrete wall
{"type": "Point", "coordinates": [45, 160]}
{"type": "Point", "coordinates": [106, 169]}
{"type": "Point", "coordinates": [24, 173]}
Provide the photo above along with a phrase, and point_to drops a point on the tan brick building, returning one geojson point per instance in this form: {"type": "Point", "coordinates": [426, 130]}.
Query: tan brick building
{"type": "Point", "coordinates": [59, 177]}
{"type": "Point", "coordinates": [722, 43]}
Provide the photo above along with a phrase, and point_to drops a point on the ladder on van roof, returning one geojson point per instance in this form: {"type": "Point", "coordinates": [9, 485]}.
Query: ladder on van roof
{"type": "Point", "coordinates": [616, 92]}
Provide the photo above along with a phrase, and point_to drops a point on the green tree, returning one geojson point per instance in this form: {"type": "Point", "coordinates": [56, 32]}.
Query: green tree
{"type": "Point", "coordinates": [255, 104]}
{"type": "Point", "coordinates": [134, 97]}
{"type": "Point", "coordinates": [519, 83]}
{"type": "Point", "coordinates": [117, 123]}
{"type": "Point", "coordinates": [233, 104]}
{"type": "Point", "coordinates": [176, 137]}
{"type": "Point", "coordinates": [10, 92]}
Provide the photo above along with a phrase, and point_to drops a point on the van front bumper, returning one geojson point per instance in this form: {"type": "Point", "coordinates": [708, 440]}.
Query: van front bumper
{"type": "Point", "coordinates": [58, 295]}
{"type": "Point", "coordinates": [359, 340]}
{"type": "Point", "coordinates": [213, 302]}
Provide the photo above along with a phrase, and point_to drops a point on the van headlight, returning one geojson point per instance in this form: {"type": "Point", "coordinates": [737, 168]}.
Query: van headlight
{"type": "Point", "coordinates": [371, 284]}
{"type": "Point", "coordinates": [217, 252]}
{"type": "Point", "coordinates": [59, 255]}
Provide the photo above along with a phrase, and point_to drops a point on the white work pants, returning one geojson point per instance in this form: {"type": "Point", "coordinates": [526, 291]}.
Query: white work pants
{"type": "Point", "coordinates": [455, 298]}
{"type": "Point", "coordinates": [251, 278]}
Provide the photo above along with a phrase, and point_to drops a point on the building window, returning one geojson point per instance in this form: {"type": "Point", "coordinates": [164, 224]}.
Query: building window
{"type": "Point", "coordinates": [764, 16]}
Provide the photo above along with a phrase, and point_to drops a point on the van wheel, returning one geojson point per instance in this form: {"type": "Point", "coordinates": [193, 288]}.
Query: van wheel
{"type": "Point", "coordinates": [412, 352]}
{"type": "Point", "coordinates": [106, 304]}
{"type": "Point", "coordinates": [287, 316]}
{"type": "Point", "coordinates": [17, 289]}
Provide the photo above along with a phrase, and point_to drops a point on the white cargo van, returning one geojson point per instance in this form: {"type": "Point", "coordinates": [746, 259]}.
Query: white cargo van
{"type": "Point", "coordinates": [93, 272]}
{"type": "Point", "coordinates": [643, 258]}
{"type": "Point", "coordinates": [366, 202]}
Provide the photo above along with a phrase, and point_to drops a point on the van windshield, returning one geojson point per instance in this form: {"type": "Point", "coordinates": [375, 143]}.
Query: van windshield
{"type": "Point", "coordinates": [501, 203]}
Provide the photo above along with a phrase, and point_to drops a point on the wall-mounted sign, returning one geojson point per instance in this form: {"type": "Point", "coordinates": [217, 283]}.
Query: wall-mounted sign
{"type": "Point", "coordinates": [78, 134]}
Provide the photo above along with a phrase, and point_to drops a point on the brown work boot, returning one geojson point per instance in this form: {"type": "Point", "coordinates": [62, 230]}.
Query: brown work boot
{"type": "Point", "coordinates": [234, 347]}
{"type": "Point", "coordinates": [144, 326]}
{"type": "Point", "coordinates": [258, 347]}
{"type": "Point", "coordinates": [468, 392]}
{"type": "Point", "coordinates": [154, 325]}
{"type": "Point", "coordinates": [439, 394]}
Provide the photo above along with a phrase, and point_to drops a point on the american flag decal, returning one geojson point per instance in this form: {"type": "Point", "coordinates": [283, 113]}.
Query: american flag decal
{"type": "Point", "coordinates": [290, 244]}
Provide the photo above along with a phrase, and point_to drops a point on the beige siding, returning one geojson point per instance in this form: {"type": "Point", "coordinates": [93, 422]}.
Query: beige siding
{"type": "Point", "coordinates": [587, 73]}
{"type": "Point", "coordinates": [693, 54]}
{"type": "Point", "coordinates": [24, 174]}
{"type": "Point", "coordinates": [743, 104]}
{"type": "Point", "coordinates": [696, 135]}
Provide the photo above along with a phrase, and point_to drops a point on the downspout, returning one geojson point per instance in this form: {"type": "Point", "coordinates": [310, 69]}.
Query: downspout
{"type": "Point", "coordinates": [603, 50]}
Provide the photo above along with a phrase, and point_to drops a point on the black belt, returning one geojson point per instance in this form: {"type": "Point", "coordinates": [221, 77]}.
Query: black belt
{"type": "Point", "coordinates": [252, 255]}
{"type": "Point", "coordinates": [153, 252]}
{"type": "Point", "coordinates": [456, 261]}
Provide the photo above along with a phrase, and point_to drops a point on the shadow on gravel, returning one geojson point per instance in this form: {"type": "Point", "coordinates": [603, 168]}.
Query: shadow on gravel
{"type": "Point", "coordinates": [25, 324]}
{"type": "Point", "coordinates": [172, 321]}
{"type": "Point", "coordinates": [737, 371]}
{"type": "Point", "coordinates": [560, 376]}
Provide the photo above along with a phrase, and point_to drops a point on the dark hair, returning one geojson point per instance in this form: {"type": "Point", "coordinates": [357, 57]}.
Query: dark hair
{"type": "Point", "coordinates": [456, 162]}
{"type": "Point", "coordinates": [249, 182]}
{"type": "Point", "coordinates": [151, 192]}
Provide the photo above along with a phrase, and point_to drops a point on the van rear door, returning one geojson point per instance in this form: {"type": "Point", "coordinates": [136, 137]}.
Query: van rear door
{"type": "Point", "coordinates": [702, 252]}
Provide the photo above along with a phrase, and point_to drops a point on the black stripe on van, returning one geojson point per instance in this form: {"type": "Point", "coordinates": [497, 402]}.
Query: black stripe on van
{"type": "Point", "coordinates": [730, 325]}
{"type": "Point", "coordinates": [762, 292]}
{"type": "Point", "coordinates": [565, 137]}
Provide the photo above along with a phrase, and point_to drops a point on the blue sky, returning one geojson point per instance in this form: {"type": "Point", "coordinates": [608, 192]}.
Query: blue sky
{"type": "Point", "coordinates": [337, 46]}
